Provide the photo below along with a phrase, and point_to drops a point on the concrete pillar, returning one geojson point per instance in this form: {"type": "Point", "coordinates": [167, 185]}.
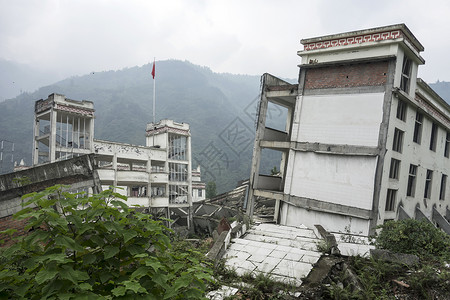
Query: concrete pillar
{"type": "Point", "coordinates": [52, 139]}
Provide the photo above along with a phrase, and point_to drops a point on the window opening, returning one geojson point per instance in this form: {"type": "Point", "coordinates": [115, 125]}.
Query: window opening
{"type": "Point", "coordinates": [418, 128]}
{"type": "Point", "coordinates": [411, 189]}
{"type": "Point", "coordinates": [398, 140]}
{"type": "Point", "coordinates": [427, 192]}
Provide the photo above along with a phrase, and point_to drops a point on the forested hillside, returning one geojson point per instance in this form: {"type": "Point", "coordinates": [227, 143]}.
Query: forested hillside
{"type": "Point", "coordinates": [219, 108]}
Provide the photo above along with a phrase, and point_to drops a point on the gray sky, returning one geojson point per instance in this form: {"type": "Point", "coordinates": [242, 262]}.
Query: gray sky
{"type": "Point", "coordinates": [75, 37]}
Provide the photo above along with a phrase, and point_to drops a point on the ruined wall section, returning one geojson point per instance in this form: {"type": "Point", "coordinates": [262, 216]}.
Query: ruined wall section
{"type": "Point", "coordinates": [79, 172]}
{"type": "Point", "coordinates": [345, 76]}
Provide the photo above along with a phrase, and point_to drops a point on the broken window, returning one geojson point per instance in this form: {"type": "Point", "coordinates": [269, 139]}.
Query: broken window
{"type": "Point", "coordinates": [177, 172]}
{"type": "Point", "coordinates": [398, 140]}
{"type": "Point", "coordinates": [427, 192]}
{"type": "Point", "coordinates": [138, 191]}
{"type": "Point", "coordinates": [390, 199]}
{"type": "Point", "coordinates": [443, 187]}
{"type": "Point", "coordinates": [411, 189]}
{"type": "Point", "coordinates": [158, 191]}
{"type": "Point", "coordinates": [177, 147]}
{"type": "Point", "coordinates": [178, 194]}
{"type": "Point", "coordinates": [447, 144]}
{"type": "Point", "coordinates": [418, 128]}
{"type": "Point", "coordinates": [406, 74]}
{"type": "Point", "coordinates": [433, 138]}
{"type": "Point", "coordinates": [395, 168]}
{"type": "Point", "coordinates": [401, 110]}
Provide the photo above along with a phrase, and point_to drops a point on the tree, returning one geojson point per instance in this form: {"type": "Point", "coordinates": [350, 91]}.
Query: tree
{"type": "Point", "coordinates": [96, 247]}
{"type": "Point", "coordinates": [210, 189]}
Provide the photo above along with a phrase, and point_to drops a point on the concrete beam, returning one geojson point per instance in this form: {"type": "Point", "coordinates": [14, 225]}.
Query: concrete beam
{"type": "Point", "coordinates": [335, 149]}
{"type": "Point", "coordinates": [327, 207]}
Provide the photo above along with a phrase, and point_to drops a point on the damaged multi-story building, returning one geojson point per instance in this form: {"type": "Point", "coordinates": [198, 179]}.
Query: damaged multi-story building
{"type": "Point", "coordinates": [157, 176]}
{"type": "Point", "coordinates": [365, 140]}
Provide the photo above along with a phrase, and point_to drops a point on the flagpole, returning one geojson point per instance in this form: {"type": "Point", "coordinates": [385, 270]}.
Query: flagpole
{"type": "Point", "coordinates": [154, 93]}
{"type": "Point", "coordinates": [154, 96]}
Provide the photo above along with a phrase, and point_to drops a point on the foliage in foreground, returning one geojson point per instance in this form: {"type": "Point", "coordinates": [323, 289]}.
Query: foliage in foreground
{"type": "Point", "coordinates": [378, 279]}
{"type": "Point", "coordinates": [96, 248]}
{"type": "Point", "coordinates": [414, 237]}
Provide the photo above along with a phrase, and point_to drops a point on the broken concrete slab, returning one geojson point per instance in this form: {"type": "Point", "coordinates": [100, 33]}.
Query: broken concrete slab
{"type": "Point", "coordinates": [400, 258]}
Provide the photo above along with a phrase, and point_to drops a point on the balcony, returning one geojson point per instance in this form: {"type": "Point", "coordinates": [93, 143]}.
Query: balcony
{"type": "Point", "coordinates": [132, 177]}
{"type": "Point", "coordinates": [141, 201]}
{"type": "Point", "coordinates": [159, 177]}
{"type": "Point", "coordinates": [106, 174]}
{"type": "Point", "coordinates": [159, 201]}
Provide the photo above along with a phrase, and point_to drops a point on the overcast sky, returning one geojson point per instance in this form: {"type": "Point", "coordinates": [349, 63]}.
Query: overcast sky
{"type": "Point", "coordinates": [75, 37]}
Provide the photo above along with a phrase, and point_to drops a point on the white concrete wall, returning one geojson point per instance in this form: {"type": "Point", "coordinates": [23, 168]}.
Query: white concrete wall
{"type": "Point", "coordinates": [351, 119]}
{"type": "Point", "coordinates": [293, 216]}
{"type": "Point", "coordinates": [419, 155]}
{"type": "Point", "coordinates": [346, 180]}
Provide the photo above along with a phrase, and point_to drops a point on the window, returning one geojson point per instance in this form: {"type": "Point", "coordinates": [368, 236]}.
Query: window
{"type": "Point", "coordinates": [200, 192]}
{"type": "Point", "coordinates": [406, 74]}
{"type": "Point", "coordinates": [177, 147]}
{"type": "Point", "coordinates": [177, 172]}
{"type": "Point", "coordinates": [447, 144]}
{"type": "Point", "coordinates": [138, 191]}
{"type": "Point", "coordinates": [433, 138]}
{"type": "Point", "coordinates": [395, 168]}
{"type": "Point", "coordinates": [398, 140]}
{"type": "Point", "coordinates": [411, 189]}
{"type": "Point", "coordinates": [390, 199]}
{"type": "Point", "coordinates": [401, 110]}
{"type": "Point", "coordinates": [178, 194]}
{"type": "Point", "coordinates": [158, 191]}
{"type": "Point", "coordinates": [427, 192]}
{"type": "Point", "coordinates": [443, 186]}
{"type": "Point", "coordinates": [418, 128]}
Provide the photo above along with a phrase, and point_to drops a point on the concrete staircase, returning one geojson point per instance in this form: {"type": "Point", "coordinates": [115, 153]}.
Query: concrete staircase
{"type": "Point", "coordinates": [285, 253]}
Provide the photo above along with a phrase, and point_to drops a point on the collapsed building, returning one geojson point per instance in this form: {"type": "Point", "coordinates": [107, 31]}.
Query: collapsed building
{"type": "Point", "coordinates": [157, 177]}
{"type": "Point", "coordinates": [365, 140]}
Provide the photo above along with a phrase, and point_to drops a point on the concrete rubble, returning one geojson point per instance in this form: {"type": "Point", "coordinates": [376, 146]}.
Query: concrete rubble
{"type": "Point", "coordinates": [286, 254]}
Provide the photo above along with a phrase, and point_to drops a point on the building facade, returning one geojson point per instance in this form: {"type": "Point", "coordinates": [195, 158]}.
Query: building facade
{"type": "Point", "coordinates": [365, 140]}
{"type": "Point", "coordinates": [157, 176]}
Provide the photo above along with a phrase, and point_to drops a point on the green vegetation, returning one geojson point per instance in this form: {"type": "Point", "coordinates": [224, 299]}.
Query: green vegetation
{"type": "Point", "coordinates": [210, 190]}
{"type": "Point", "coordinates": [414, 237]}
{"type": "Point", "coordinates": [379, 279]}
{"type": "Point", "coordinates": [95, 247]}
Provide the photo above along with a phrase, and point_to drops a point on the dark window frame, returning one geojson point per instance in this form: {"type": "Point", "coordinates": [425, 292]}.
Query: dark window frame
{"type": "Point", "coordinates": [428, 184]}
{"type": "Point", "coordinates": [402, 108]}
{"type": "Point", "coordinates": [412, 178]}
{"type": "Point", "coordinates": [418, 125]}
{"type": "Point", "coordinates": [397, 144]}
{"type": "Point", "coordinates": [434, 136]}
{"type": "Point", "coordinates": [391, 197]}
{"type": "Point", "coordinates": [394, 169]}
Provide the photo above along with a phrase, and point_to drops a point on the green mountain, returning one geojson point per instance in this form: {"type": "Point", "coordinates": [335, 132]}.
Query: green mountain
{"type": "Point", "coordinates": [220, 109]}
{"type": "Point", "coordinates": [443, 89]}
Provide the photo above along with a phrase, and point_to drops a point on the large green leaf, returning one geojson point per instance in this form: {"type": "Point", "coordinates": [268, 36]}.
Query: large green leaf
{"type": "Point", "coordinates": [110, 251]}
{"type": "Point", "coordinates": [45, 275]}
{"type": "Point", "coordinates": [65, 241]}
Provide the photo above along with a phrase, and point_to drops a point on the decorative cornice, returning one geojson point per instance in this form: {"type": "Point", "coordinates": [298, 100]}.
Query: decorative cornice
{"type": "Point", "coordinates": [352, 40]}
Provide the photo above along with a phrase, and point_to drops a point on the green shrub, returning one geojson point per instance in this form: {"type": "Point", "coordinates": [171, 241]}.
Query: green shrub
{"type": "Point", "coordinates": [417, 237]}
{"type": "Point", "coordinates": [96, 248]}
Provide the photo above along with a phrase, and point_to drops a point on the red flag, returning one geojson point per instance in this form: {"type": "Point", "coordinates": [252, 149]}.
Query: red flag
{"type": "Point", "coordinates": [153, 70]}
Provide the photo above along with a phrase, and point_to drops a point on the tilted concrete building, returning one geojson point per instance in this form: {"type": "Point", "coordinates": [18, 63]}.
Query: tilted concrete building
{"type": "Point", "coordinates": [156, 176]}
{"type": "Point", "coordinates": [365, 140]}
